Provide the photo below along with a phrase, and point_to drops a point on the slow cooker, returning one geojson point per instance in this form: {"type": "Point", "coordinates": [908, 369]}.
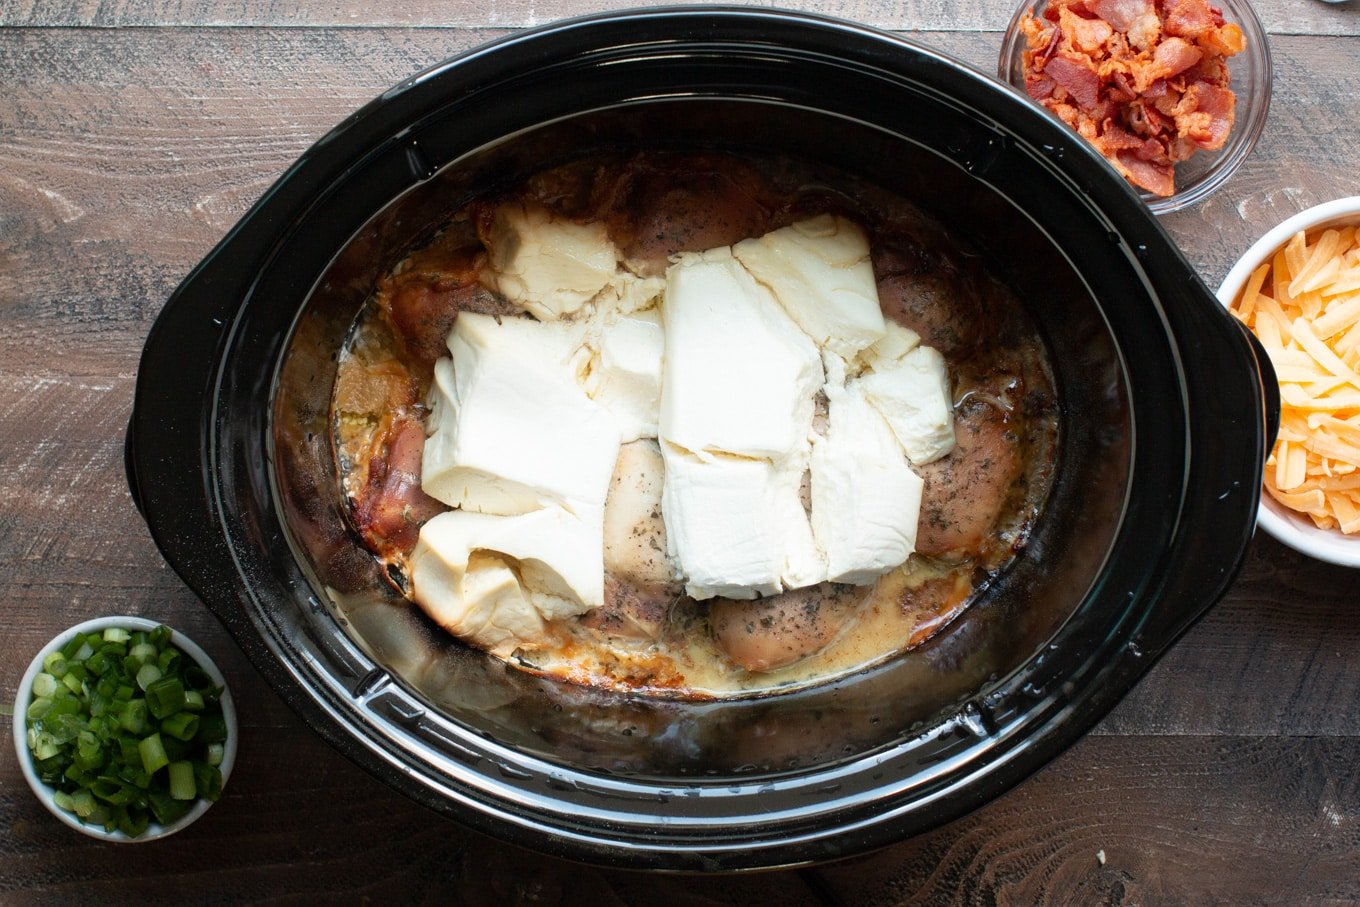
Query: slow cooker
{"type": "Point", "coordinates": [1167, 415]}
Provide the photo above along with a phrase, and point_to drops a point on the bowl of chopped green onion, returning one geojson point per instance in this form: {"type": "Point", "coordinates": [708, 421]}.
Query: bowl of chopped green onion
{"type": "Point", "coordinates": [125, 729]}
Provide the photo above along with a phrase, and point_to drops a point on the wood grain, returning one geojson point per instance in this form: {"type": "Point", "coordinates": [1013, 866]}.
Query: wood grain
{"type": "Point", "coordinates": [127, 154]}
{"type": "Point", "coordinates": [1305, 17]}
{"type": "Point", "coordinates": [1180, 820]}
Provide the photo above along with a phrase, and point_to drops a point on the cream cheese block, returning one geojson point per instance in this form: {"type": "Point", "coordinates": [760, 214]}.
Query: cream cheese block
{"type": "Point", "coordinates": [895, 343]}
{"type": "Point", "coordinates": [912, 394]}
{"type": "Point", "coordinates": [820, 272]}
{"type": "Point", "coordinates": [866, 500]}
{"type": "Point", "coordinates": [738, 375]}
{"type": "Point", "coordinates": [624, 372]}
{"type": "Point", "coordinates": [507, 432]}
{"type": "Point", "coordinates": [462, 573]}
{"type": "Point", "coordinates": [736, 527]}
{"type": "Point", "coordinates": [547, 264]}
{"type": "Point", "coordinates": [553, 267]}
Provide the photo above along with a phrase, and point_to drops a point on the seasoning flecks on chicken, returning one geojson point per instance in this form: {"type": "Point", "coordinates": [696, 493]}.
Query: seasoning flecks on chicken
{"type": "Point", "coordinates": [920, 292]}
{"type": "Point", "coordinates": [771, 633]}
{"type": "Point", "coordinates": [967, 491]}
{"type": "Point", "coordinates": [635, 612]}
{"type": "Point", "coordinates": [634, 530]}
{"type": "Point", "coordinates": [659, 205]}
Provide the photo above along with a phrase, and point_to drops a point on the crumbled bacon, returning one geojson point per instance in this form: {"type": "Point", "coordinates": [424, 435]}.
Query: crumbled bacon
{"type": "Point", "coordinates": [1145, 81]}
{"type": "Point", "coordinates": [1121, 14]}
{"type": "Point", "coordinates": [1077, 78]}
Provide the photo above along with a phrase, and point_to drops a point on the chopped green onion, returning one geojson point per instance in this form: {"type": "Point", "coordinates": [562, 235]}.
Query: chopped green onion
{"type": "Point", "coordinates": [55, 664]}
{"type": "Point", "coordinates": [142, 653]}
{"type": "Point", "coordinates": [38, 708]}
{"type": "Point", "coordinates": [160, 637]}
{"type": "Point", "coordinates": [182, 785]}
{"type": "Point", "coordinates": [193, 700]}
{"type": "Point", "coordinates": [43, 745]}
{"type": "Point", "coordinates": [82, 803]}
{"type": "Point", "coordinates": [64, 801]}
{"type": "Point", "coordinates": [212, 728]}
{"type": "Point", "coordinates": [133, 717]}
{"type": "Point", "coordinates": [111, 790]}
{"type": "Point", "coordinates": [99, 703]}
{"type": "Point", "coordinates": [90, 760]}
{"type": "Point", "coordinates": [181, 725]}
{"type": "Point", "coordinates": [65, 727]}
{"type": "Point", "coordinates": [197, 678]}
{"type": "Point", "coordinates": [169, 661]}
{"type": "Point", "coordinates": [153, 755]}
{"type": "Point", "coordinates": [133, 824]}
{"type": "Point", "coordinates": [148, 674]}
{"type": "Point", "coordinates": [128, 752]}
{"type": "Point", "coordinates": [165, 696]}
{"type": "Point", "coordinates": [116, 634]}
{"type": "Point", "coordinates": [72, 646]}
{"type": "Point", "coordinates": [135, 776]}
{"type": "Point", "coordinates": [64, 704]}
{"type": "Point", "coordinates": [98, 663]}
{"type": "Point", "coordinates": [44, 685]}
{"type": "Point", "coordinates": [72, 681]}
{"type": "Point", "coordinates": [175, 748]}
{"type": "Point", "coordinates": [216, 752]}
{"type": "Point", "coordinates": [165, 808]}
{"type": "Point", "coordinates": [209, 781]}
{"type": "Point", "coordinates": [84, 652]}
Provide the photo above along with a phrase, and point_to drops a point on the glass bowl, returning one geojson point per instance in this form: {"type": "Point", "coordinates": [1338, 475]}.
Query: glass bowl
{"type": "Point", "coordinates": [1251, 77]}
{"type": "Point", "coordinates": [47, 794]}
{"type": "Point", "coordinates": [1295, 529]}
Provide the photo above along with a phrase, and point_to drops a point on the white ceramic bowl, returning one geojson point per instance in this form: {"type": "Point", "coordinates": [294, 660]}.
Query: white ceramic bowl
{"type": "Point", "coordinates": [1295, 529]}
{"type": "Point", "coordinates": [46, 793]}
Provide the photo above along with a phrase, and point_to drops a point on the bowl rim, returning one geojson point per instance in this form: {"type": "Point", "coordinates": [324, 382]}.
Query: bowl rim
{"type": "Point", "coordinates": [1235, 151]}
{"type": "Point", "coordinates": [1295, 530]}
{"type": "Point", "coordinates": [45, 792]}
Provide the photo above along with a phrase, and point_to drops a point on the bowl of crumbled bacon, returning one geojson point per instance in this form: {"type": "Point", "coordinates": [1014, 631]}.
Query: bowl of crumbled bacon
{"type": "Point", "coordinates": [1173, 93]}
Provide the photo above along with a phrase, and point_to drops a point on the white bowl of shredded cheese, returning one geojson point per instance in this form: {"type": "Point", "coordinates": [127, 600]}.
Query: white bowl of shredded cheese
{"type": "Point", "coordinates": [1309, 323]}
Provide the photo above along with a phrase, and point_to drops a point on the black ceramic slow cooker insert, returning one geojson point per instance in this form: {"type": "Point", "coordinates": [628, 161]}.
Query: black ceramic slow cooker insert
{"type": "Point", "coordinates": [1163, 425]}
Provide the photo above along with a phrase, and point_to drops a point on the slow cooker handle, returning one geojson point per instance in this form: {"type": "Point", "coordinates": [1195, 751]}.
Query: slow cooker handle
{"type": "Point", "coordinates": [165, 450]}
{"type": "Point", "coordinates": [1204, 537]}
{"type": "Point", "coordinates": [1270, 386]}
{"type": "Point", "coordinates": [130, 466]}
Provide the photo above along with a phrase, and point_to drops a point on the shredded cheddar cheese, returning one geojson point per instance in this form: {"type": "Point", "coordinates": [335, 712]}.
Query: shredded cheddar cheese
{"type": "Point", "coordinates": [1304, 305]}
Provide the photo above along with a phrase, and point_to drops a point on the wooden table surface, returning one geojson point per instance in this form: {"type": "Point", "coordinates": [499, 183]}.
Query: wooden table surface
{"type": "Point", "coordinates": [134, 133]}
